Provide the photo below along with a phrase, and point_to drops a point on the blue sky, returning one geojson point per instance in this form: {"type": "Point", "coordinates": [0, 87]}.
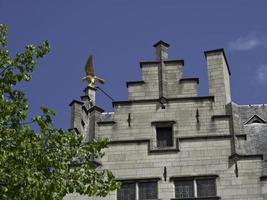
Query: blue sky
{"type": "Point", "coordinates": [120, 34]}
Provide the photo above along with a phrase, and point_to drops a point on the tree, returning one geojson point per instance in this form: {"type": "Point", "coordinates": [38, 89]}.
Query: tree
{"type": "Point", "coordinates": [49, 163]}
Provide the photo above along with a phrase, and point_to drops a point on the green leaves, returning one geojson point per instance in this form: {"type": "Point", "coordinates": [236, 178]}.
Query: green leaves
{"type": "Point", "coordinates": [48, 164]}
{"type": "Point", "coordinates": [48, 111]}
{"type": "Point", "coordinates": [3, 34]}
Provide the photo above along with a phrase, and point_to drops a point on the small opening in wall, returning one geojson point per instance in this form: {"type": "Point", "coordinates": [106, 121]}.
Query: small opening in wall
{"type": "Point", "coordinates": [83, 124]}
{"type": "Point", "coordinates": [256, 122]}
{"type": "Point", "coordinates": [164, 137]}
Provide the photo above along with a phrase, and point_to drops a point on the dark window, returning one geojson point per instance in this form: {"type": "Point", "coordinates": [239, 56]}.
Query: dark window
{"type": "Point", "coordinates": [164, 137]}
{"type": "Point", "coordinates": [184, 189]}
{"type": "Point", "coordinates": [206, 188]}
{"type": "Point", "coordinates": [196, 187]}
{"type": "Point", "coordinates": [127, 192]}
{"type": "Point", "coordinates": [148, 190]}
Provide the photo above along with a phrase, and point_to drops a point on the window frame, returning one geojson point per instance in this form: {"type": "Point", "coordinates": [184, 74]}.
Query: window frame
{"type": "Point", "coordinates": [127, 182]}
{"type": "Point", "coordinates": [160, 131]}
{"type": "Point", "coordinates": [160, 125]}
{"type": "Point", "coordinates": [185, 180]}
{"type": "Point", "coordinates": [144, 182]}
{"type": "Point", "coordinates": [194, 180]}
{"type": "Point", "coordinates": [140, 181]}
{"type": "Point", "coordinates": [205, 179]}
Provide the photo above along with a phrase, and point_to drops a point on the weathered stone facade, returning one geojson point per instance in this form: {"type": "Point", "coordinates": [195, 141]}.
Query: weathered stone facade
{"type": "Point", "coordinates": [184, 146]}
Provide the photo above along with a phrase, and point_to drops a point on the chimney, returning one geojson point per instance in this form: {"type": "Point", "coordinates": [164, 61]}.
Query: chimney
{"type": "Point", "coordinates": [219, 79]}
{"type": "Point", "coordinates": [161, 50]}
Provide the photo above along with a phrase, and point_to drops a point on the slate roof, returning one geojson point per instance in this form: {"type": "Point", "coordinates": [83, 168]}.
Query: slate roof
{"type": "Point", "coordinates": [253, 120]}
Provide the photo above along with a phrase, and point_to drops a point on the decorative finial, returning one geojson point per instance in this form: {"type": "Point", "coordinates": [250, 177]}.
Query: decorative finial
{"type": "Point", "coordinates": [90, 74]}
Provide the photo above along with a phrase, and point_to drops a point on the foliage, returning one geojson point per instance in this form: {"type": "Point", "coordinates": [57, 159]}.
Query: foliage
{"type": "Point", "coordinates": [48, 164]}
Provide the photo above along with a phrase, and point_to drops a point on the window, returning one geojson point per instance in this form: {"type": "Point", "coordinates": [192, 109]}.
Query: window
{"type": "Point", "coordinates": [147, 190]}
{"type": "Point", "coordinates": [164, 137]}
{"type": "Point", "coordinates": [184, 189]}
{"type": "Point", "coordinates": [127, 191]}
{"type": "Point", "coordinates": [164, 133]}
{"type": "Point", "coordinates": [206, 188]}
{"type": "Point", "coordinates": [195, 187]}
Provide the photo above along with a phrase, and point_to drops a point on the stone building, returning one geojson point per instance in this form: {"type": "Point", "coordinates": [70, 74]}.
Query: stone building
{"type": "Point", "coordinates": [166, 142]}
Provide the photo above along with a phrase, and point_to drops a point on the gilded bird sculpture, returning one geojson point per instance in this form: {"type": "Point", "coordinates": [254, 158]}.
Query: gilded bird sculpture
{"type": "Point", "coordinates": [90, 74]}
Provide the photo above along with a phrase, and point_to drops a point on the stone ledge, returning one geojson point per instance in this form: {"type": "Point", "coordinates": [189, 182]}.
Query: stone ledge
{"type": "Point", "coordinates": [143, 179]}
{"type": "Point", "coordinates": [211, 137]}
{"type": "Point", "coordinates": [163, 150]}
{"type": "Point", "coordinates": [209, 98]}
{"type": "Point", "coordinates": [129, 102]}
{"type": "Point", "coordinates": [218, 117]}
{"type": "Point", "coordinates": [76, 101]}
{"type": "Point", "coordinates": [128, 141]}
{"type": "Point", "coordinates": [199, 198]}
{"type": "Point", "coordinates": [148, 63]}
{"type": "Point", "coordinates": [162, 43]}
{"type": "Point", "coordinates": [166, 149]}
{"type": "Point", "coordinates": [143, 63]}
{"type": "Point", "coordinates": [189, 80]}
{"type": "Point", "coordinates": [191, 177]}
{"type": "Point", "coordinates": [94, 108]}
{"type": "Point", "coordinates": [176, 147]}
{"type": "Point", "coordinates": [163, 123]}
{"type": "Point", "coordinates": [237, 157]}
{"type": "Point", "coordinates": [174, 61]}
{"type": "Point", "coordinates": [130, 83]}
{"type": "Point", "coordinates": [106, 123]}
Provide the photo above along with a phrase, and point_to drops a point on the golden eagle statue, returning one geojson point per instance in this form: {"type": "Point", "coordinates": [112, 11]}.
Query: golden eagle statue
{"type": "Point", "coordinates": [90, 74]}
